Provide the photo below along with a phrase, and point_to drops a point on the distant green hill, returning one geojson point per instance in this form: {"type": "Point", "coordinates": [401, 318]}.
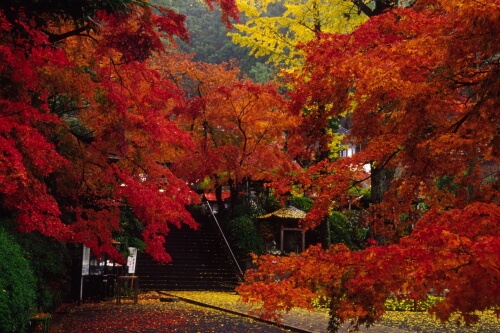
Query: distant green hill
{"type": "Point", "coordinates": [209, 41]}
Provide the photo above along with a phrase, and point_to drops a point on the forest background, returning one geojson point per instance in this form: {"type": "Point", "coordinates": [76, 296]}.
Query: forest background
{"type": "Point", "coordinates": [110, 131]}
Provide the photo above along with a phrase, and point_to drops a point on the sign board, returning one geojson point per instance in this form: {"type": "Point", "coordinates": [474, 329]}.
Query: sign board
{"type": "Point", "coordinates": [132, 259]}
{"type": "Point", "coordinates": [85, 261]}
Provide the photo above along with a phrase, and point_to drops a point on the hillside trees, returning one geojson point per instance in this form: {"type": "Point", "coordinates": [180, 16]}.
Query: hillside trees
{"type": "Point", "coordinates": [422, 86]}
{"type": "Point", "coordinates": [208, 38]}
{"type": "Point", "coordinates": [85, 127]}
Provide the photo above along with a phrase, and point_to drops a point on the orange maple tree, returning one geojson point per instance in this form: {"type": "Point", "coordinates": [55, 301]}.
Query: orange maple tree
{"type": "Point", "coordinates": [238, 126]}
{"type": "Point", "coordinates": [420, 85]}
{"type": "Point", "coordinates": [84, 121]}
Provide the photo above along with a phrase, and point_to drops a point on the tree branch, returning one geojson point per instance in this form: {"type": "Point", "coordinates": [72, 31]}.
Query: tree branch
{"type": "Point", "coordinates": [380, 7]}
{"type": "Point", "coordinates": [54, 38]}
{"type": "Point", "coordinates": [356, 182]}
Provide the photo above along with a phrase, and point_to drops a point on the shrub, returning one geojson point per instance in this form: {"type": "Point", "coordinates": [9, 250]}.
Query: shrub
{"type": "Point", "coordinates": [341, 230]}
{"type": "Point", "coordinates": [302, 203]}
{"type": "Point", "coordinates": [245, 235]}
{"type": "Point", "coordinates": [49, 260]}
{"type": "Point", "coordinates": [17, 287]}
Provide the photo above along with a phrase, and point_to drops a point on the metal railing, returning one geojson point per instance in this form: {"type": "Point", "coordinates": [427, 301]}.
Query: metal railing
{"type": "Point", "coordinates": [224, 237]}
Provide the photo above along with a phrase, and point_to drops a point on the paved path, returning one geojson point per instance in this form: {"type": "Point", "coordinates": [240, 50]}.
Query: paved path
{"type": "Point", "coordinates": [297, 320]}
{"type": "Point", "coordinates": [152, 316]}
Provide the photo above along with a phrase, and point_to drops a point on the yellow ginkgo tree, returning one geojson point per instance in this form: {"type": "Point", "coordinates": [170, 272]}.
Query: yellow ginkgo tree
{"type": "Point", "coordinates": [274, 28]}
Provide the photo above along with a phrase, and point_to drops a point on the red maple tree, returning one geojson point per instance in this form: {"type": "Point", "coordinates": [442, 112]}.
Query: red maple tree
{"type": "Point", "coordinates": [421, 87]}
{"type": "Point", "coordinates": [85, 128]}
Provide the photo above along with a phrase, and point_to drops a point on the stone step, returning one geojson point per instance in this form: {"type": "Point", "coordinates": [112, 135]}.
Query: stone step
{"type": "Point", "coordinates": [199, 262]}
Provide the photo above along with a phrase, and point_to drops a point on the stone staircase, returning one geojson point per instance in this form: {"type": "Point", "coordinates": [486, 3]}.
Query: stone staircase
{"type": "Point", "coordinates": [200, 261]}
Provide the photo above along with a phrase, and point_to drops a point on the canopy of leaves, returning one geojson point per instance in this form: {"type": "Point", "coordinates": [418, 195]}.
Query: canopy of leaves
{"type": "Point", "coordinates": [421, 85]}
{"type": "Point", "coordinates": [238, 126]}
{"type": "Point", "coordinates": [434, 121]}
{"type": "Point", "coordinates": [276, 28]}
{"type": "Point", "coordinates": [85, 123]}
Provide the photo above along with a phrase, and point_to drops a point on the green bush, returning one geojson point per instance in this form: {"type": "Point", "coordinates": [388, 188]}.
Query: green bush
{"type": "Point", "coordinates": [341, 230]}
{"type": "Point", "coordinates": [17, 287]}
{"type": "Point", "coordinates": [49, 260]}
{"type": "Point", "coordinates": [245, 235]}
{"type": "Point", "coordinates": [302, 203]}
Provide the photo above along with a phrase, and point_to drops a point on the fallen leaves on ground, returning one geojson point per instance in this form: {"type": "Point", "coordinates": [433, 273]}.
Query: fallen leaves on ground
{"type": "Point", "coordinates": [150, 315]}
{"type": "Point", "coordinates": [421, 322]}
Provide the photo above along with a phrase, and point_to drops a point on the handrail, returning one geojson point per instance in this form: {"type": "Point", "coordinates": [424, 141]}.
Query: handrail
{"type": "Point", "coordinates": [224, 237]}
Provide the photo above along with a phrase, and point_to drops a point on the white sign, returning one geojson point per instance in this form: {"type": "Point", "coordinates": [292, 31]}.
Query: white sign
{"type": "Point", "coordinates": [85, 261]}
{"type": "Point", "coordinates": [131, 260]}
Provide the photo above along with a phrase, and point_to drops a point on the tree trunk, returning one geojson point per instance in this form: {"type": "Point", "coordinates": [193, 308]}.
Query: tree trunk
{"type": "Point", "coordinates": [233, 199]}
{"type": "Point", "coordinates": [325, 234]}
{"type": "Point", "coordinates": [218, 196]}
{"type": "Point", "coordinates": [380, 182]}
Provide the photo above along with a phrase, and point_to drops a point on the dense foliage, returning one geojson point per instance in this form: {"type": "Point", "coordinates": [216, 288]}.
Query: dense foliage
{"type": "Point", "coordinates": [17, 286]}
{"type": "Point", "coordinates": [245, 236]}
{"type": "Point", "coordinates": [50, 261]}
{"type": "Point", "coordinates": [237, 126]}
{"type": "Point", "coordinates": [275, 28]}
{"type": "Point", "coordinates": [419, 84]}
{"type": "Point", "coordinates": [86, 126]}
{"type": "Point", "coordinates": [208, 39]}
{"type": "Point", "coordinates": [105, 127]}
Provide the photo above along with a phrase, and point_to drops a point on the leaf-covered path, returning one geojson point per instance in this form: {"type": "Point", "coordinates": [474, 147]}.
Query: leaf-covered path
{"type": "Point", "coordinates": [298, 320]}
{"type": "Point", "coordinates": [317, 321]}
{"type": "Point", "coordinates": [150, 315]}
